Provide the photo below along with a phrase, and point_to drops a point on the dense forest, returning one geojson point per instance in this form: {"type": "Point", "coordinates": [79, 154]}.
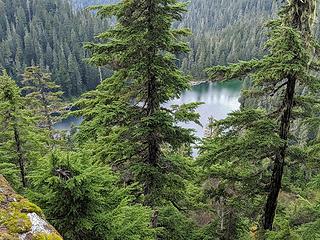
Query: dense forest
{"type": "Point", "coordinates": [132, 169]}
{"type": "Point", "coordinates": [224, 32]}
{"type": "Point", "coordinates": [216, 39]}
{"type": "Point", "coordinates": [49, 34]}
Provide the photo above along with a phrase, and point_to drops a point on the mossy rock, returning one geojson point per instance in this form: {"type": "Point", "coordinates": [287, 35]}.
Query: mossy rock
{"type": "Point", "coordinates": [7, 236]}
{"type": "Point", "coordinates": [26, 207]}
{"type": "Point", "coordinates": [21, 219]}
{"type": "Point", "coordinates": [43, 236]}
{"type": "Point", "coordinates": [15, 221]}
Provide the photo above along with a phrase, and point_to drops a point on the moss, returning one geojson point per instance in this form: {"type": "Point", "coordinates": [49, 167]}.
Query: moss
{"type": "Point", "coordinates": [25, 206]}
{"type": "Point", "coordinates": [6, 236]}
{"type": "Point", "coordinates": [16, 222]}
{"type": "Point", "coordinates": [18, 197]}
{"type": "Point", "coordinates": [44, 236]}
{"type": "Point", "coordinates": [2, 199]}
{"type": "Point", "coordinates": [14, 219]}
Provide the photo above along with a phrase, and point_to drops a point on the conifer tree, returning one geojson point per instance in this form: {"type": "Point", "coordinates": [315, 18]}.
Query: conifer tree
{"type": "Point", "coordinates": [20, 140]}
{"type": "Point", "coordinates": [277, 77]}
{"type": "Point", "coordinates": [235, 161]}
{"type": "Point", "coordinates": [83, 201]}
{"type": "Point", "coordinates": [43, 93]}
{"type": "Point", "coordinates": [134, 131]}
{"type": "Point", "coordinates": [48, 33]}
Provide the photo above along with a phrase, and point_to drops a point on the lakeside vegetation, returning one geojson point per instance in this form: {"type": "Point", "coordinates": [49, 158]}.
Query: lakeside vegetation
{"type": "Point", "coordinates": [128, 172]}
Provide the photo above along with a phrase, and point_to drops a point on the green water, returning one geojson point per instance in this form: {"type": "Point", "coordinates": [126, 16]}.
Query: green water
{"type": "Point", "coordinates": [219, 98]}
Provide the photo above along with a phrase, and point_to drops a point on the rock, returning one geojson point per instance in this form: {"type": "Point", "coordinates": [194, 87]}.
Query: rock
{"type": "Point", "coordinates": [21, 219]}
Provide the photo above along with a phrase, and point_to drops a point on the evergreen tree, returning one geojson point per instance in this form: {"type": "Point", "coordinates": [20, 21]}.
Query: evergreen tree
{"type": "Point", "coordinates": [277, 76]}
{"type": "Point", "coordinates": [223, 31]}
{"type": "Point", "coordinates": [125, 117]}
{"type": "Point", "coordinates": [20, 140]}
{"type": "Point", "coordinates": [82, 200]}
{"type": "Point", "coordinates": [236, 160]}
{"type": "Point", "coordinates": [49, 34]}
{"type": "Point", "coordinates": [43, 94]}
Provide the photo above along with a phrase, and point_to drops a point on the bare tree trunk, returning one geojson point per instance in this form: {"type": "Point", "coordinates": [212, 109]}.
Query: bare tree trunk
{"type": "Point", "coordinates": [46, 111]}
{"type": "Point", "coordinates": [221, 213]}
{"type": "Point", "coordinates": [230, 229]}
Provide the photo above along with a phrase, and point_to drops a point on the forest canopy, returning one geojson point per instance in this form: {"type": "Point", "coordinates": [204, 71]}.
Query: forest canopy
{"type": "Point", "coordinates": [132, 166]}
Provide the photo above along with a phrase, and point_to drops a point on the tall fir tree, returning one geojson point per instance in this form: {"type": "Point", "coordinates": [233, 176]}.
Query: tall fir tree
{"type": "Point", "coordinates": [21, 141]}
{"type": "Point", "coordinates": [126, 115]}
{"type": "Point", "coordinates": [278, 77]}
{"type": "Point", "coordinates": [235, 161]}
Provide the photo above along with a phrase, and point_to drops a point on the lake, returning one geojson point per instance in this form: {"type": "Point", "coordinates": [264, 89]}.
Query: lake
{"type": "Point", "coordinates": [219, 98]}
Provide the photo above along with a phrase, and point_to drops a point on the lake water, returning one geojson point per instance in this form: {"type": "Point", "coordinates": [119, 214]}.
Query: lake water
{"type": "Point", "coordinates": [68, 123]}
{"type": "Point", "coordinates": [219, 98]}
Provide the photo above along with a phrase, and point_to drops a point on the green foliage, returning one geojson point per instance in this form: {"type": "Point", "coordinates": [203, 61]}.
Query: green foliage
{"type": "Point", "coordinates": [284, 232]}
{"type": "Point", "coordinates": [225, 33]}
{"type": "Point", "coordinates": [21, 143]}
{"type": "Point", "coordinates": [299, 216]}
{"type": "Point", "coordinates": [130, 130]}
{"type": "Point", "coordinates": [11, 172]}
{"type": "Point", "coordinates": [175, 225]}
{"type": "Point", "coordinates": [222, 32]}
{"type": "Point", "coordinates": [49, 34]}
{"type": "Point", "coordinates": [235, 160]}
{"type": "Point", "coordinates": [124, 117]}
{"type": "Point", "coordinates": [44, 97]}
{"type": "Point", "coordinates": [82, 200]}
{"type": "Point", "coordinates": [249, 143]}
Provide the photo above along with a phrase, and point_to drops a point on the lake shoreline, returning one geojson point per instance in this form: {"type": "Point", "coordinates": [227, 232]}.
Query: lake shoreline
{"type": "Point", "coordinates": [195, 83]}
{"type": "Point", "coordinates": [219, 100]}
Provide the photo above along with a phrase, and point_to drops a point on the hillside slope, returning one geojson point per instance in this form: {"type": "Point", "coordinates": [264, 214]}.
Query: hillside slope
{"type": "Point", "coordinates": [48, 33]}
{"type": "Point", "coordinates": [223, 31]}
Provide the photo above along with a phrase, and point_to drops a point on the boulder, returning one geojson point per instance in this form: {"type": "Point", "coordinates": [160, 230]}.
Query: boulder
{"type": "Point", "coordinates": [21, 219]}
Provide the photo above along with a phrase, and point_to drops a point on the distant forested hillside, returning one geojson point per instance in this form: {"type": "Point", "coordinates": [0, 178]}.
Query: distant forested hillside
{"type": "Point", "coordinates": [85, 3]}
{"type": "Point", "coordinates": [48, 33]}
{"type": "Point", "coordinates": [224, 31]}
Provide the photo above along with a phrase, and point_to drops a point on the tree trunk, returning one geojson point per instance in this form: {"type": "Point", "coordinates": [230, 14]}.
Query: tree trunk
{"type": "Point", "coordinates": [47, 113]}
{"type": "Point", "coordinates": [45, 104]}
{"type": "Point", "coordinates": [230, 229]}
{"type": "Point", "coordinates": [152, 106]}
{"type": "Point", "coordinates": [100, 74]}
{"type": "Point", "coordinates": [302, 19]}
{"type": "Point", "coordinates": [279, 162]}
{"type": "Point", "coordinates": [152, 138]}
{"type": "Point", "coordinates": [221, 212]}
{"type": "Point", "coordinates": [21, 159]}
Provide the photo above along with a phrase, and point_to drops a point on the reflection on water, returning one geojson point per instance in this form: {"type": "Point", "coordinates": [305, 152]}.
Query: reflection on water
{"type": "Point", "coordinates": [67, 123]}
{"type": "Point", "coordinates": [219, 98]}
